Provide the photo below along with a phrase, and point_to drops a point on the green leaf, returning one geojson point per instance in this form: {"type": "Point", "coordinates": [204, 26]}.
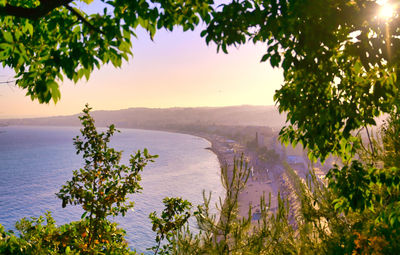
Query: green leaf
{"type": "Point", "coordinates": [203, 33]}
{"type": "Point", "coordinates": [84, 215]}
{"type": "Point", "coordinates": [30, 28]}
{"type": "Point", "coordinates": [8, 36]}
{"type": "Point", "coordinates": [5, 46]}
{"type": "Point", "coordinates": [55, 92]}
{"type": "Point", "coordinates": [264, 58]}
{"type": "Point", "coordinates": [126, 33]}
{"type": "Point", "coordinates": [124, 46]}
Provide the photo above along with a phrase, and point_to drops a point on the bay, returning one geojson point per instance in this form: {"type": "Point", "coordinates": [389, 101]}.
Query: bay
{"type": "Point", "coordinates": [36, 161]}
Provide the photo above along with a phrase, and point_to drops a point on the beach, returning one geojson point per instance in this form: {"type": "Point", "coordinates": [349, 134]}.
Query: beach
{"type": "Point", "coordinates": [263, 179]}
{"type": "Point", "coordinates": [266, 178]}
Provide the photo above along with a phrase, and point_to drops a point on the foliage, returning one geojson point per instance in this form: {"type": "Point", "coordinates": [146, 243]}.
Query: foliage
{"type": "Point", "coordinates": [229, 233]}
{"type": "Point", "coordinates": [359, 210]}
{"type": "Point", "coordinates": [390, 148]}
{"type": "Point", "coordinates": [295, 180]}
{"type": "Point", "coordinates": [322, 228]}
{"type": "Point", "coordinates": [352, 185]}
{"type": "Point", "coordinates": [173, 218]}
{"type": "Point", "coordinates": [38, 238]}
{"type": "Point", "coordinates": [357, 213]}
{"type": "Point", "coordinates": [44, 41]}
{"type": "Point", "coordinates": [340, 61]}
{"type": "Point", "coordinates": [102, 186]}
{"type": "Point", "coordinates": [355, 209]}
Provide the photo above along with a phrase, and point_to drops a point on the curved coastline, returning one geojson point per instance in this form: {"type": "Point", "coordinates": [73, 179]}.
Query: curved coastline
{"type": "Point", "coordinates": [262, 182]}
{"type": "Point", "coordinates": [226, 151]}
{"type": "Point", "coordinates": [197, 166]}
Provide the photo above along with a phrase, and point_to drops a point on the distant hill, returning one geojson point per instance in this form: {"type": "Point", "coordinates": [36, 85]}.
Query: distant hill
{"type": "Point", "coordinates": [164, 118]}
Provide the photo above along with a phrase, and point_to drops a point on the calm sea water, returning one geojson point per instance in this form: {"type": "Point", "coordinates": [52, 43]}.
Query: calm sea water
{"type": "Point", "coordinates": [36, 161]}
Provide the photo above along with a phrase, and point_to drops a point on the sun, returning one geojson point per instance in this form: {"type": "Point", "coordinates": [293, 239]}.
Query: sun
{"type": "Point", "coordinates": [386, 10]}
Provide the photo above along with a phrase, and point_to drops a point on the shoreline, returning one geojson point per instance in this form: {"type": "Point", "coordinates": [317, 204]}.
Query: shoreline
{"type": "Point", "coordinates": [264, 181]}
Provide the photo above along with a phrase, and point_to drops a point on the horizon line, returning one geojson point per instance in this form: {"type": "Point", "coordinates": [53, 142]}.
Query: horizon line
{"type": "Point", "coordinates": [135, 107]}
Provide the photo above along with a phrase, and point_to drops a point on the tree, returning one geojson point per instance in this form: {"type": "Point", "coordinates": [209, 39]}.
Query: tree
{"type": "Point", "coordinates": [42, 236]}
{"type": "Point", "coordinates": [355, 212]}
{"type": "Point", "coordinates": [173, 219]}
{"type": "Point", "coordinates": [390, 147]}
{"type": "Point", "coordinates": [340, 62]}
{"type": "Point", "coordinates": [102, 186]}
{"type": "Point", "coordinates": [227, 232]}
{"type": "Point", "coordinates": [44, 41]}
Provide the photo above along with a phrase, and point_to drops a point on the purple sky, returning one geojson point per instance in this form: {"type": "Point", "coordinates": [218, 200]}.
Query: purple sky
{"type": "Point", "coordinates": [176, 69]}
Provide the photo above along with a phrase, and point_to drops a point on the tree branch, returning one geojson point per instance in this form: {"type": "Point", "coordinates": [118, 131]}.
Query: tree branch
{"type": "Point", "coordinates": [7, 82]}
{"type": "Point", "coordinates": [370, 142]}
{"type": "Point", "coordinates": [83, 19]}
{"type": "Point", "coordinates": [42, 10]}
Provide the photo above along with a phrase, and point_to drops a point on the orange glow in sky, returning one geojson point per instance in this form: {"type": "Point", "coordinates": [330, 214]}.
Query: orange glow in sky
{"type": "Point", "coordinates": [176, 69]}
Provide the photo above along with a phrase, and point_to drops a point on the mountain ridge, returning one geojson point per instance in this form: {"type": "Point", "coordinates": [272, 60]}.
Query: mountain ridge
{"type": "Point", "coordinates": [142, 117]}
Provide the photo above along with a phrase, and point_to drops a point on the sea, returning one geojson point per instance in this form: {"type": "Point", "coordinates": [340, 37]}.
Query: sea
{"type": "Point", "coordinates": [36, 161]}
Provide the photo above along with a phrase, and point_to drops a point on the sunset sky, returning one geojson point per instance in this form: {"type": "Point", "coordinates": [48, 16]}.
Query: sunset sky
{"type": "Point", "coordinates": [176, 69]}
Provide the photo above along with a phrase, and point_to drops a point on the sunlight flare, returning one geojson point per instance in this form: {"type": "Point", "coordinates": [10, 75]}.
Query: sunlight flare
{"type": "Point", "coordinates": [386, 10]}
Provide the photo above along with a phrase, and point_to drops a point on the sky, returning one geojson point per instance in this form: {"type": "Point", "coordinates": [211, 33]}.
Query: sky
{"type": "Point", "coordinates": [177, 69]}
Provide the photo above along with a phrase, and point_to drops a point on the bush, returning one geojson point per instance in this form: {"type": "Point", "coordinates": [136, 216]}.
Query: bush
{"type": "Point", "coordinates": [100, 187]}
{"type": "Point", "coordinates": [38, 238]}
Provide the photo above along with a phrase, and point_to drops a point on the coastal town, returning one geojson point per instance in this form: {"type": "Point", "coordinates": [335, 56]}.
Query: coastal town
{"type": "Point", "coordinates": [270, 165]}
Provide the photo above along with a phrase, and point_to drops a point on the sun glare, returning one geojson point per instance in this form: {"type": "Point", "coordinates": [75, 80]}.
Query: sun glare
{"type": "Point", "coordinates": [387, 10]}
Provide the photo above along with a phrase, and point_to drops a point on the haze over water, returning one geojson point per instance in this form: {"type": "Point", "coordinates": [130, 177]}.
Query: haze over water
{"type": "Point", "coordinates": [36, 161]}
